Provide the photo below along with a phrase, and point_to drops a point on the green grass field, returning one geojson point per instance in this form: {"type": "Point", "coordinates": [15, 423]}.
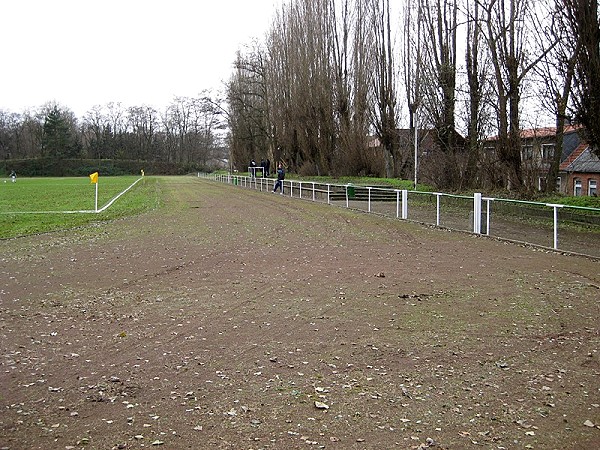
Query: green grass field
{"type": "Point", "coordinates": [36, 205]}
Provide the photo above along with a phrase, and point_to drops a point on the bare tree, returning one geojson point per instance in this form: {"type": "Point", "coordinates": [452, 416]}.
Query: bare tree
{"type": "Point", "coordinates": [316, 126]}
{"type": "Point", "coordinates": [479, 170]}
{"type": "Point", "coordinates": [97, 134]}
{"type": "Point", "coordinates": [11, 131]}
{"type": "Point", "coordinates": [582, 18]}
{"type": "Point", "coordinates": [413, 67]}
{"type": "Point", "coordinates": [508, 26]}
{"type": "Point", "coordinates": [384, 106]}
{"type": "Point", "coordinates": [474, 91]}
{"type": "Point", "coordinates": [440, 21]}
{"type": "Point", "coordinates": [143, 122]}
{"type": "Point", "coordinates": [556, 73]}
{"type": "Point", "coordinates": [347, 52]}
{"type": "Point", "coordinates": [249, 123]}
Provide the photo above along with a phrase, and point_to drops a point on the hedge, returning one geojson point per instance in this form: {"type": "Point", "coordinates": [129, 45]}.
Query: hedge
{"type": "Point", "coordinates": [44, 167]}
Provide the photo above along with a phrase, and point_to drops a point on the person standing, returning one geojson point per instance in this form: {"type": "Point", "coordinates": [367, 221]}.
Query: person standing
{"type": "Point", "coordinates": [280, 178]}
{"type": "Point", "coordinates": [268, 166]}
{"type": "Point", "coordinates": [13, 176]}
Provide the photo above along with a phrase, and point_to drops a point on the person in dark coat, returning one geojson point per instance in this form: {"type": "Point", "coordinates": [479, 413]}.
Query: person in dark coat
{"type": "Point", "coordinates": [280, 178]}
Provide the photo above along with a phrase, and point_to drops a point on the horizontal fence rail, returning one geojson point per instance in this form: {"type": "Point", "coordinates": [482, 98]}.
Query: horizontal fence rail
{"type": "Point", "coordinates": [553, 226]}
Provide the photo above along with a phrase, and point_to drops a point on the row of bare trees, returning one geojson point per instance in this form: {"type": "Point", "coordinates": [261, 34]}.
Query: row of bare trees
{"type": "Point", "coordinates": [189, 130]}
{"type": "Point", "coordinates": [332, 73]}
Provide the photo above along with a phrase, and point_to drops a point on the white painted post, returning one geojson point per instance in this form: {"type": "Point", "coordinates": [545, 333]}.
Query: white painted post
{"type": "Point", "coordinates": [404, 204]}
{"type": "Point", "coordinates": [369, 201]}
{"type": "Point", "coordinates": [347, 204]}
{"type": "Point", "coordinates": [437, 215]}
{"type": "Point", "coordinates": [96, 201]}
{"type": "Point", "coordinates": [555, 228]}
{"type": "Point", "coordinates": [477, 213]}
{"type": "Point", "coordinates": [328, 191]}
{"type": "Point", "coordinates": [313, 185]}
{"type": "Point", "coordinates": [555, 223]}
{"type": "Point", "coordinates": [489, 201]}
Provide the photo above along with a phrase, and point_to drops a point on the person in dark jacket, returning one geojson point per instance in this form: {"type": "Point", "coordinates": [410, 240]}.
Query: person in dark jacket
{"type": "Point", "coordinates": [262, 167]}
{"type": "Point", "coordinates": [280, 178]}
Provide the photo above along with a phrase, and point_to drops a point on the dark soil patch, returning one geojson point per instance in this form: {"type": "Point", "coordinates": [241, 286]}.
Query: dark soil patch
{"type": "Point", "coordinates": [238, 319]}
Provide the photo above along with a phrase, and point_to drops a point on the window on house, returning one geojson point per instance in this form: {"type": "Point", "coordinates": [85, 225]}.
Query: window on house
{"type": "Point", "coordinates": [577, 187]}
{"type": "Point", "coordinates": [527, 152]}
{"type": "Point", "coordinates": [592, 188]}
{"type": "Point", "coordinates": [547, 151]}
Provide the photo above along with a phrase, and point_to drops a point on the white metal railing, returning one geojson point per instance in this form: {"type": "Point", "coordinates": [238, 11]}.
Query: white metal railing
{"type": "Point", "coordinates": [529, 222]}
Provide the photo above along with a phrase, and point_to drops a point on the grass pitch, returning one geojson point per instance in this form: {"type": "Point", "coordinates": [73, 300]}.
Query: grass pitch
{"type": "Point", "coordinates": [36, 205]}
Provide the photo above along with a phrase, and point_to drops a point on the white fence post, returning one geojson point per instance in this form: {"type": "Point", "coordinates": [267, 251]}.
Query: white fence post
{"type": "Point", "coordinates": [404, 204]}
{"type": "Point", "coordinates": [477, 213]}
{"type": "Point", "coordinates": [437, 207]}
{"type": "Point", "coordinates": [555, 223]}
{"type": "Point", "coordinates": [346, 189]}
{"type": "Point", "coordinates": [488, 215]}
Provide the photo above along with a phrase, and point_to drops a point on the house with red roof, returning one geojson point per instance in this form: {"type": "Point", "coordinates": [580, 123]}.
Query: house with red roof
{"type": "Point", "coordinates": [579, 170]}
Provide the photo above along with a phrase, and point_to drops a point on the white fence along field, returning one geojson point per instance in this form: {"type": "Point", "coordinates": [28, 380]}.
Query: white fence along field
{"type": "Point", "coordinates": [550, 226]}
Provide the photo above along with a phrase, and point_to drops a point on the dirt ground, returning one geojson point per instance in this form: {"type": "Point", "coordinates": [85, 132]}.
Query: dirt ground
{"type": "Point", "coordinates": [238, 319]}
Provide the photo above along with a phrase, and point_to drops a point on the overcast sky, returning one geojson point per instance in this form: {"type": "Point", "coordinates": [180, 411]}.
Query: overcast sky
{"type": "Point", "coordinates": [82, 53]}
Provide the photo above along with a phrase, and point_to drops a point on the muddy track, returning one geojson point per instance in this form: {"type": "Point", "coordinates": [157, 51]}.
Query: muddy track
{"type": "Point", "coordinates": [237, 319]}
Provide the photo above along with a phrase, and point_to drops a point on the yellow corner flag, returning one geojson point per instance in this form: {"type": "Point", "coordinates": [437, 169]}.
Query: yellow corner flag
{"type": "Point", "coordinates": [94, 178]}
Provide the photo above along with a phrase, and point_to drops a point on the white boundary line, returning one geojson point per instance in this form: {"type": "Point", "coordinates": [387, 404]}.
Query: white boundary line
{"type": "Point", "coordinates": [83, 211]}
{"type": "Point", "coordinates": [117, 197]}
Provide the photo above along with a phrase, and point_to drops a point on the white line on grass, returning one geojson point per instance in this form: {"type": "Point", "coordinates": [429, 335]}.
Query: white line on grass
{"type": "Point", "coordinates": [83, 211]}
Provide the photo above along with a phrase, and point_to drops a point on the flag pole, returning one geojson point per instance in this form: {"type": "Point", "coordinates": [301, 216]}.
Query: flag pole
{"type": "Point", "coordinates": [94, 180]}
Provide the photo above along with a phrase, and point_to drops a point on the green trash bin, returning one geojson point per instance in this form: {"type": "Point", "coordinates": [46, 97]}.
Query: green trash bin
{"type": "Point", "coordinates": [350, 191]}
{"type": "Point", "coordinates": [235, 181]}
